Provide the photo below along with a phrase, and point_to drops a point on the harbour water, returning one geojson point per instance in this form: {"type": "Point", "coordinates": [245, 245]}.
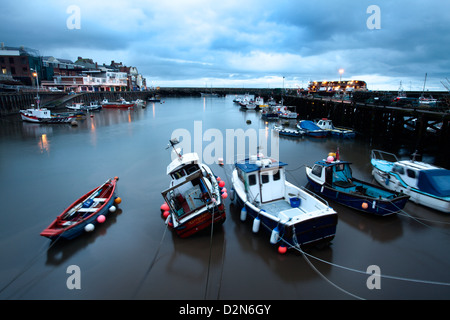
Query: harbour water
{"type": "Point", "coordinates": [44, 168]}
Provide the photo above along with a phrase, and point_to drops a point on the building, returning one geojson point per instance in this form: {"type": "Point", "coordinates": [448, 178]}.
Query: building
{"type": "Point", "coordinates": [20, 64]}
{"type": "Point", "coordinates": [337, 86]}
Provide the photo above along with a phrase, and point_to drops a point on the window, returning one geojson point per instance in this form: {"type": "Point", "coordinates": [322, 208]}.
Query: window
{"type": "Point", "coordinates": [317, 170]}
{"type": "Point", "coordinates": [276, 175]}
{"type": "Point", "coordinates": [264, 177]}
{"type": "Point", "coordinates": [398, 169]}
{"type": "Point", "coordinates": [252, 179]}
{"type": "Point", "coordinates": [411, 173]}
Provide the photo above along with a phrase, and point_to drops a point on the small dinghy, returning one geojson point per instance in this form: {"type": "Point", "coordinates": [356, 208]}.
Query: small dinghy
{"type": "Point", "coordinates": [85, 213]}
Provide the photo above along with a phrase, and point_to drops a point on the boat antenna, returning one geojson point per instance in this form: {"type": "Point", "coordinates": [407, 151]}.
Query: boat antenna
{"type": "Point", "coordinates": [172, 143]}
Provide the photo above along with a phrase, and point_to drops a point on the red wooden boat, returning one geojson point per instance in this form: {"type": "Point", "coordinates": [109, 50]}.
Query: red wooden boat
{"type": "Point", "coordinates": [85, 213]}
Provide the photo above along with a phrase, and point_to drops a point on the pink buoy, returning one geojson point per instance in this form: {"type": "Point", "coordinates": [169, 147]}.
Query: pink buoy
{"type": "Point", "coordinates": [166, 214]}
{"type": "Point", "coordinates": [101, 218]}
{"type": "Point", "coordinates": [224, 190]}
{"type": "Point", "coordinates": [218, 179]}
{"type": "Point", "coordinates": [222, 184]}
{"type": "Point", "coordinates": [224, 195]}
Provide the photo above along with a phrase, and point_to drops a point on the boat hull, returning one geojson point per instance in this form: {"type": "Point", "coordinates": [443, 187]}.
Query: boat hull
{"type": "Point", "coordinates": [366, 204]}
{"type": "Point", "coordinates": [312, 232]}
{"type": "Point", "coordinates": [118, 105]}
{"type": "Point", "coordinates": [201, 221]}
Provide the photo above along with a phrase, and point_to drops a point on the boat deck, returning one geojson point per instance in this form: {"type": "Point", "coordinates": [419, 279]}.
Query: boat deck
{"type": "Point", "coordinates": [282, 209]}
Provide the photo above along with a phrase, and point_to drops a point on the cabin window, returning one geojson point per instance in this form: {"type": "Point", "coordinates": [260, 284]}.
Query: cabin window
{"type": "Point", "coordinates": [276, 176]}
{"type": "Point", "coordinates": [398, 169]}
{"type": "Point", "coordinates": [317, 171]}
{"type": "Point", "coordinates": [265, 178]}
{"type": "Point", "coordinates": [411, 173]}
{"type": "Point", "coordinates": [178, 174]}
{"type": "Point", "coordinates": [252, 179]}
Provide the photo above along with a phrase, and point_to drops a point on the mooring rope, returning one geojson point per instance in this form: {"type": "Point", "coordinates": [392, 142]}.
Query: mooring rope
{"type": "Point", "coordinates": [153, 261]}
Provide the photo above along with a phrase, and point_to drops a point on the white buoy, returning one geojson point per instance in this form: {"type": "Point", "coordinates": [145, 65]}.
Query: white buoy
{"type": "Point", "coordinates": [256, 223]}
{"type": "Point", "coordinates": [274, 236]}
{"type": "Point", "coordinates": [243, 214]}
{"type": "Point", "coordinates": [89, 227]}
{"type": "Point", "coordinates": [112, 209]}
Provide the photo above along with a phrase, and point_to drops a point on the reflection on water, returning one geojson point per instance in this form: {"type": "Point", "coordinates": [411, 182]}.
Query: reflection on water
{"type": "Point", "coordinates": [44, 168]}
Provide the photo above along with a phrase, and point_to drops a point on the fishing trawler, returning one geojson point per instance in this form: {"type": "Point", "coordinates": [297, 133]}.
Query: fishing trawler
{"type": "Point", "coordinates": [194, 199]}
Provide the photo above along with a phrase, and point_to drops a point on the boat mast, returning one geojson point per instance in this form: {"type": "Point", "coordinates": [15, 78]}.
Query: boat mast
{"type": "Point", "coordinates": [172, 143]}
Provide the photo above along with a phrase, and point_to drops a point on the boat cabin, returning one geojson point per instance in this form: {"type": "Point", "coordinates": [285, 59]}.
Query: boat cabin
{"type": "Point", "coordinates": [263, 179]}
{"type": "Point", "coordinates": [423, 176]}
{"type": "Point", "coordinates": [325, 123]}
{"type": "Point", "coordinates": [334, 173]}
{"type": "Point", "coordinates": [188, 193]}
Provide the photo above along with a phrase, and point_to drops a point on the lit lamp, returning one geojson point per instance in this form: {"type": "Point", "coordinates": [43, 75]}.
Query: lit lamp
{"type": "Point", "coordinates": [341, 71]}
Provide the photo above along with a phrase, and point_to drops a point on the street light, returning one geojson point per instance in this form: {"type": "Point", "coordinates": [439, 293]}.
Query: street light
{"type": "Point", "coordinates": [341, 71]}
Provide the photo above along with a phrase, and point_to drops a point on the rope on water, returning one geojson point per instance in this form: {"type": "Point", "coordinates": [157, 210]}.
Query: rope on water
{"type": "Point", "coordinates": [152, 263]}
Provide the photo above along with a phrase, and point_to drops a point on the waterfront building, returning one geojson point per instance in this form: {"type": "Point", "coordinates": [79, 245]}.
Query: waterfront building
{"type": "Point", "coordinates": [18, 64]}
{"type": "Point", "coordinates": [337, 86]}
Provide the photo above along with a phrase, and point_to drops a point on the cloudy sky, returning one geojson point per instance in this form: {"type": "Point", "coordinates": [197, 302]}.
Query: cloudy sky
{"type": "Point", "coordinates": [244, 43]}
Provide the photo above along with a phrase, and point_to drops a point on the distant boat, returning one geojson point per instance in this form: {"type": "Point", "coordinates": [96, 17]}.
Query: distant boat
{"type": "Point", "coordinates": [194, 198]}
{"type": "Point", "coordinates": [333, 179]}
{"type": "Point", "coordinates": [43, 115]}
{"type": "Point", "coordinates": [122, 103]}
{"type": "Point", "coordinates": [270, 113]}
{"type": "Point", "coordinates": [340, 132]}
{"type": "Point", "coordinates": [288, 132]}
{"type": "Point", "coordinates": [311, 129]}
{"type": "Point", "coordinates": [85, 213]}
{"type": "Point", "coordinates": [153, 99]}
{"type": "Point", "coordinates": [426, 184]}
{"type": "Point", "coordinates": [292, 215]}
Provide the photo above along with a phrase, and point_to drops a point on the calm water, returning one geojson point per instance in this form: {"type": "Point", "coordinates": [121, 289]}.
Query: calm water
{"type": "Point", "coordinates": [44, 168]}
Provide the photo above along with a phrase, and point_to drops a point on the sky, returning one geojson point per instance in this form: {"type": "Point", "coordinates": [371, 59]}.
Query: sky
{"type": "Point", "coordinates": [244, 43]}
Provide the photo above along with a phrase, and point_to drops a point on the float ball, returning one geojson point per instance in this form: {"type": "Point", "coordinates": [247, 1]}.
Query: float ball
{"type": "Point", "coordinates": [89, 227]}
{"type": "Point", "coordinates": [282, 249]}
{"type": "Point", "coordinates": [364, 205]}
{"type": "Point", "coordinates": [224, 195]}
{"type": "Point", "coordinates": [164, 207]}
{"type": "Point", "coordinates": [101, 218]}
{"type": "Point", "coordinates": [166, 214]}
{"type": "Point", "coordinates": [222, 184]}
{"type": "Point", "coordinates": [117, 200]}
{"type": "Point", "coordinates": [112, 209]}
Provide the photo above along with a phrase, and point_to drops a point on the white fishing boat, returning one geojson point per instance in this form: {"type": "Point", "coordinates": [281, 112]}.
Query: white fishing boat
{"type": "Point", "coordinates": [341, 132]}
{"type": "Point", "coordinates": [293, 216]}
{"type": "Point", "coordinates": [44, 115]}
{"type": "Point", "coordinates": [194, 199]}
{"type": "Point", "coordinates": [426, 184]}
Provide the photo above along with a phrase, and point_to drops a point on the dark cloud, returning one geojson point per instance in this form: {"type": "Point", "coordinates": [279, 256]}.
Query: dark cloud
{"type": "Point", "coordinates": [190, 41]}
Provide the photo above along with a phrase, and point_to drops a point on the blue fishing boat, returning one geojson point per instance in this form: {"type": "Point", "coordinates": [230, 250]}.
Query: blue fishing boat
{"type": "Point", "coordinates": [293, 215]}
{"type": "Point", "coordinates": [332, 178]}
{"type": "Point", "coordinates": [311, 129]}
